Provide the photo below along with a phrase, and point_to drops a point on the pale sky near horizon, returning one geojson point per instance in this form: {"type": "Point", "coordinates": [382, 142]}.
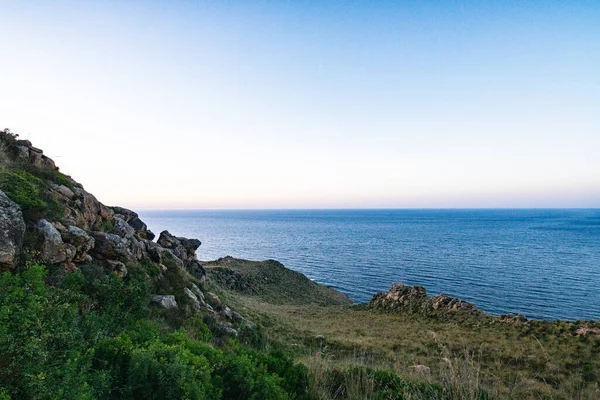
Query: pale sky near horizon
{"type": "Point", "coordinates": [310, 104]}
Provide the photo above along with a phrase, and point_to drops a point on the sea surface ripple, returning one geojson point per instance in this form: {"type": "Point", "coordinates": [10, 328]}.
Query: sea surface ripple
{"type": "Point", "coordinates": [542, 263]}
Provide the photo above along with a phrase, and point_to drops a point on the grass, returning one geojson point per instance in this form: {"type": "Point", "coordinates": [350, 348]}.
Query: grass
{"type": "Point", "coordinates": [466, 357]}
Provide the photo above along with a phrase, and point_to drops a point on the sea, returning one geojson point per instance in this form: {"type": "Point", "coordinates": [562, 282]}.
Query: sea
{"type": "Point", "coordinates": [544, 263]}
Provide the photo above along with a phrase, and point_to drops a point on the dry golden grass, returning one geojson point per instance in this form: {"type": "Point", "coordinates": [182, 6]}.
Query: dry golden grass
{"type": "Point", "coordinates": [546, 361]}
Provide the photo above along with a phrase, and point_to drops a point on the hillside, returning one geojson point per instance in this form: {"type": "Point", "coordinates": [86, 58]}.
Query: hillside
{"type": "Point", "coordinates": [94, 305]}
{"type": "Point", "coordinates": [421, 337]}
{"type": "Point", "coordinates": [271, 282]}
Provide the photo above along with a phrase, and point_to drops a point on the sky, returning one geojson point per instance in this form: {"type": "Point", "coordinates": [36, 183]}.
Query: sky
{"type": "Point", "coordinates": [310, 104]}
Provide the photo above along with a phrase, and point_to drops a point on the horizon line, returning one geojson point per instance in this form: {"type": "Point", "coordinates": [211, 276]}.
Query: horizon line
{"type": "Point", "coordinates": [370, 209]}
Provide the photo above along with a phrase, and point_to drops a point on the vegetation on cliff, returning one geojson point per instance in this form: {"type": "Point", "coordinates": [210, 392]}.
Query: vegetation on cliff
{"type": "Point", "coordinates": [92, 308]}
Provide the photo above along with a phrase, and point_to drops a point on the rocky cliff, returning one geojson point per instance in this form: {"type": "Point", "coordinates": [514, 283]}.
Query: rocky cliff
{"type": "Point", "coordinates": [49, 218]}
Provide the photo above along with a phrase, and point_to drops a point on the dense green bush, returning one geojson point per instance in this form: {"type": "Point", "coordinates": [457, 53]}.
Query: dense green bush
{"type": "Point", "coordinates": [31, 193]}
{"type": "Point", "coordinates": [48, 174]}
{"type": "Point", "coordinates": [92, 337]}
{"type": "Point", "coordinates": [24, 189]}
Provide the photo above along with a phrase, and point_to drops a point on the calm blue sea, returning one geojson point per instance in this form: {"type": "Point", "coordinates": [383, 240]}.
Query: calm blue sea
{"type": "Point", "coordinates": [543, 263]}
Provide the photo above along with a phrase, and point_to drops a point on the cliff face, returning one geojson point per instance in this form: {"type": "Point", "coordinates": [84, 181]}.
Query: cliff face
{"type": "Point", "coordinates": [49, 218]}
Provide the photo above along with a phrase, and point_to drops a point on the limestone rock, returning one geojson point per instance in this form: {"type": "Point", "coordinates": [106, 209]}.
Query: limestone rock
{"type": "Point", "coordinates": [230, 331]}
{"type": "Point", "coordinates": [12, 229]}
{"type": "Point", "coordinates": [79, 239]}
{"type": "Point", "coordinates": [85, 211]}
{"type": "Point", "coordinates": [154, 251]}
{"type": "Point", "coordinates": [183, 248]}
{"type": "Point", "coordinates": [159, 254]}
{"type": "Point", "coordinates": [189, 294]}
{"type": "Point", "coordinates": [122, 228]}
{"type": "Point", "coordinates": [226, 312]}
{"type": "Point", "coordinates": [51, 246]}
{"type": "Point", "coordinates": [65, 192]}
{"type": "Point", "coordinates": [402, 297]}
{"type": "Point", "coordinates": [137, 248]}
{"type": "Point", "coordinates": [197, 292]}
{"type": "Point", "coordinates": [135, 222]}
{"type": "Point", "coordinates": [443, 302]}
{"type": "Point", "coordinates": [198, 296]}
{"type": "Point", "coordinates": [584, 331]}
{"type": "Point", "coordinates": [111, 247]}
{"type": "Point", "coordinates": [164, 301]}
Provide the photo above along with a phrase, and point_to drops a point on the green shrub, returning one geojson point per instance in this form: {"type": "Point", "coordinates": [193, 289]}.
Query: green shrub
{"type": "Point", "coordinates": [31, 194]}
{"type": "Point", "coordinates": [150, 267]}
{"type": "Point", "coordinates": [8, 139]}
{"type": "Point", "coordinates": [25, 190]}
{"type": "Point", "coordinates": [106, 225]}
{"type": "Point", "coordinates": [52, 175]}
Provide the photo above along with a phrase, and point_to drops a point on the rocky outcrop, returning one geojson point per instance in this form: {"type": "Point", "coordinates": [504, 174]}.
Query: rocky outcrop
{"type": "Point", "coordinates": [122, 228]}
{"type": "Point", "coordinates": [164, 301]}
{"type": "Point", "coordinates": [184, 249]}
{"type": "Point", "coordinates": [133, 219]}
{"type": "Point", "coordinates": [110, 246]}
{"type": "Point", "coordinates": [12, 230]}
{"type": "Point", "coordinates": [402, 297]}
{"type": "Point", "coordinates": [34, 156]}
{"type": "Point", "coordinates": [52, 248]}
{"type": "Point", "coordinates": [512, 318]}
{"type": "Point", "coordinates": [79, 239]}
{"type": "Point", "coordinates": [85, 211]}
{"type": "Point", "coordinates": [111, 239]}
{"type": "Point", "coordinates": [584, 331]}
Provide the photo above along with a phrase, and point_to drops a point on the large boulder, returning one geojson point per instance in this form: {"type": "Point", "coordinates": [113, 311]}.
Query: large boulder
{"type": "Point", "coordinates": [79, 238]}
{"type": "Point", "coordinates": [135, 222]}
{"type": "Point", "coordinates": [39, 160]}
{"type": "Point", "coordinates": [183, 248]}
{"type": "Point", "coordinates": [122, 228]}
{"type": "Point", "coordinates": [62, 192]}
{"type": "Point", "coordinates": [52, 248]}
{"type": "Point", "coordinates": [12, 229]}
{"type": "Point", "coordinates": [110, 246]}
{"type": "Point", "coordinates": [164, 301]}
{"type": "Point", "coordinates": [160, 255]}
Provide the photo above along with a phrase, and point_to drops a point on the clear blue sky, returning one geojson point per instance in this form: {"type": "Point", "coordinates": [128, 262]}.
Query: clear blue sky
{"type": "Point", "coordinates": [307, 104]}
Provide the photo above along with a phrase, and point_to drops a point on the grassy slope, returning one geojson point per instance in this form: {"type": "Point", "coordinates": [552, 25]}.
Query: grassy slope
{"type": "Point", "coordinates": [536, 360]}
{"type": "Point", "coordinates": [272, 282]}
